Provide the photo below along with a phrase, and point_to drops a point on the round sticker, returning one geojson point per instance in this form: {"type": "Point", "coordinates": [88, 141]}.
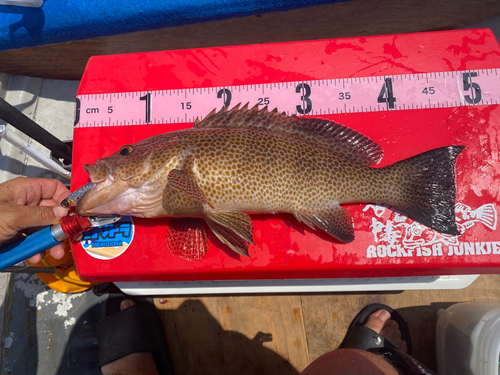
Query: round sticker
{"type": "Point", "coordinates": [109, 241]}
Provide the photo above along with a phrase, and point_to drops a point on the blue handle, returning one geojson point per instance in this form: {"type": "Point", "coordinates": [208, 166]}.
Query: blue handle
{"type": "Point", "coordinates": [33, 244]}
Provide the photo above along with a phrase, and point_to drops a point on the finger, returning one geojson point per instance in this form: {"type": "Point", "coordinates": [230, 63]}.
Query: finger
{"type": "Point", "coordinates": [57, 252]}
{"type": "Point", "coordinates": [33, 216]}
{"type": "Point", "coordinates": [31, 191]}
{"type": "Point", "coordinates": [49, 189]}
{"type": "Point", "coordinates": [36, 258]}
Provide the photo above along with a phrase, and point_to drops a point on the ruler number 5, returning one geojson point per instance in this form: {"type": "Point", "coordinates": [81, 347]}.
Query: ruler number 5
{"type": "Point", "coordinates": [475, 96]}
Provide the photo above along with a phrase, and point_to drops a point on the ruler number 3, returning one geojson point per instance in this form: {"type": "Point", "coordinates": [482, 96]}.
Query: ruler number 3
{"type": "Point", "coordinates": [306, 106]}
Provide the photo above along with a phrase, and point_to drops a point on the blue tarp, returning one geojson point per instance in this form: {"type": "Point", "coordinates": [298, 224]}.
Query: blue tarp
{"type": "Point", "coordinates": [68, 20]}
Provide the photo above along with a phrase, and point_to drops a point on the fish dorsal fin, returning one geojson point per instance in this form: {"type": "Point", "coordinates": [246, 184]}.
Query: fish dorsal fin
{"type": "Point", "coordinates": [339, 138]}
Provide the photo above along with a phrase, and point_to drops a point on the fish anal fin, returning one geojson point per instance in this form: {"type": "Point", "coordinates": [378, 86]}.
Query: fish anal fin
{"type": "Point", "coordinates": [336, 137]}
{"type": "Point", "coordinates": [185, 182]}
{"type": "Point", "coordinates": [334, 220]}
{"type": "Point", "coordinates": [187, 238]}
{"type": "Point", "coordinates": [234, 229]}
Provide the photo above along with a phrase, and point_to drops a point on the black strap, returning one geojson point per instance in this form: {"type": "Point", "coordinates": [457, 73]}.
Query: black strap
{"type": "Point", "coordinates": [360, 337]}
{"type": "Point", "coordinates": [136, 329]}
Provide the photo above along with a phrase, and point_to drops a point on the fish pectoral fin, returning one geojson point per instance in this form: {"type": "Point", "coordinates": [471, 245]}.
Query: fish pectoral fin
{"type": "Point", "coordinates": [185, 182]}
{"type": "Point", "coordinates": [334, 220]}
{"type": "Point", "coordinates": [187, 238]}
{"type": "Point", "coordinates": [235, 229]}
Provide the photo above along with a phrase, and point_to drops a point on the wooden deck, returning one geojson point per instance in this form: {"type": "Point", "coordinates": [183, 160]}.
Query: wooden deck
{"type": "Point", "coordinates": [282, 334]}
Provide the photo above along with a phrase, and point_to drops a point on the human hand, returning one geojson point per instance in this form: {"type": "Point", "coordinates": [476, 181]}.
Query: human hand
{"type": "Point", "coordinates": [31, 202]}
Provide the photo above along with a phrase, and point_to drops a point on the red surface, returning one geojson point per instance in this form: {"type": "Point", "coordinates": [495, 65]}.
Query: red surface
{"type": "Point", "coordinates": [284, 248]}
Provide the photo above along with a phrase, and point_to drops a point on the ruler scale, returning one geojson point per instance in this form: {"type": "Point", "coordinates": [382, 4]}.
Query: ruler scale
{"type": "Point", "coordinates": [311, 98]}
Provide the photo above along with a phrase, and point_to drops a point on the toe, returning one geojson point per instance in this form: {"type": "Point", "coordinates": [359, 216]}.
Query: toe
{"type": "Point", "coordinates": [126, 303]}
{"type": "Point", "coordinates": [380, 321]}
{"type": "Point", "coordinates": [393, 335]}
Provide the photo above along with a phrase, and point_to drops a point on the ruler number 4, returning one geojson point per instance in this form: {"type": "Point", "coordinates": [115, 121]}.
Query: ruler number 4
{"type": "Point", "coordinates": [386, 94]}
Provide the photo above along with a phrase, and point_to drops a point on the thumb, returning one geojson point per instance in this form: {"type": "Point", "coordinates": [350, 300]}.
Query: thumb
{"type": "Point", "coordinates": [34, 216]}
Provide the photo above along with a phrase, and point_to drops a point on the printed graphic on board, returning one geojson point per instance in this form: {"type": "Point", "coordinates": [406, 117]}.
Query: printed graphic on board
{"type": "Point", "coordinates": [400, 237]}
{"type": "Point", "coordinates": [109, 241]}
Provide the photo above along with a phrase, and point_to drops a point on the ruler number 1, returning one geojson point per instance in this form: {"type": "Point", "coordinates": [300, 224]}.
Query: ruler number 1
{"type": "Point", "coordinates": [386, 94]}
{"type": "Point", "coordinates": [147, 98]}
{"type": "Point", "coordinates": [475, 96]}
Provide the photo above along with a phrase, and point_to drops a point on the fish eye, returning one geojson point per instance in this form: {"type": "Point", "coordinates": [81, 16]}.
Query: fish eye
{"type": "Point", "coordinates": [125, 150]}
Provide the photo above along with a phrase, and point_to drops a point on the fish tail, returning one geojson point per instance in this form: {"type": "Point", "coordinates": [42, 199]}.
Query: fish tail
{"type": "Point", "coordinates": [426, 190]}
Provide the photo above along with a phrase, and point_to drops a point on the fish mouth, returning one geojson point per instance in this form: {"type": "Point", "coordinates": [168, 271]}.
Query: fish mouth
{"type": "Point", "coordinates": [103, 198]}
{"type": "Point", "coordinates": [115, 196]}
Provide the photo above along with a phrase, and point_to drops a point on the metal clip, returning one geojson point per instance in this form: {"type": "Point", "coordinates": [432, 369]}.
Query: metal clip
{"type": "Point", "coordinates": [97, 221]}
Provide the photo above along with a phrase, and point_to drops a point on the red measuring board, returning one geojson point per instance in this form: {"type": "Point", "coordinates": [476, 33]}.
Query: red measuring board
{"type": "Point", "coordinates": [410, 93]}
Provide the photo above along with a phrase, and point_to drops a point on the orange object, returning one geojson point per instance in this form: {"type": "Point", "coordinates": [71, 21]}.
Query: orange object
{"type": "Point", "coordinates": [66, 279]}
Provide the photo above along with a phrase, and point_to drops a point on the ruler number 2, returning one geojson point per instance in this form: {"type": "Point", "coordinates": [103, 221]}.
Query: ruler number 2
{"type": "Point", "coordinates": [225, 95]}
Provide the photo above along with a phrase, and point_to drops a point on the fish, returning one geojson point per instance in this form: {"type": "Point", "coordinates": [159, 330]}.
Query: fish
{"type": "Point", "coordinates": [239, 162]}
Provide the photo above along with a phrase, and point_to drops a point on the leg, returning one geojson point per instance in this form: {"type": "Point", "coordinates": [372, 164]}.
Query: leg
{"type": "Point", "coordinates": [355, 361]}
{"type": "Point", "coordinates": [134, 363]}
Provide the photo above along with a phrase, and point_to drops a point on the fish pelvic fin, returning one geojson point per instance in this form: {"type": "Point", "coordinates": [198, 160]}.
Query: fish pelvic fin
{"type": "Point", "coordinates": [334, 220]}
{"type": "Point", "coordinates": [235, 229]}
{"type": "Point", "coordinates": [187, 238]}
{"type": "Point", "coordinates": [320, 132]}
{"type": "Point", "coordinates": [185, 182]}
{"type": "Point", "coordinates": [427, 188]}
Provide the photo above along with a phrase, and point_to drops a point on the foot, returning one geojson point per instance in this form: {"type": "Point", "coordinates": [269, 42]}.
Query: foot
{"type": "Point", "coordinates": [380, 321]}
{"type": "Point", "coordinates": [132, 364]}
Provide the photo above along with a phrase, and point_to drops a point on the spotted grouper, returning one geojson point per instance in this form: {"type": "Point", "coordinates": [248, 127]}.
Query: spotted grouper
{"type": "Point", "coordinates": [239, 162]}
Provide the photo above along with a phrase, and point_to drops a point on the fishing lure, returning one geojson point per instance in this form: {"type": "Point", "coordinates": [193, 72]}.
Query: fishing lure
{"type": "Point", "coordinates": [75, 196]}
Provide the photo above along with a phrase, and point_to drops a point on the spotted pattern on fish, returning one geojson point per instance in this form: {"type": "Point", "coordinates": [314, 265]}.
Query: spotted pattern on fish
{"type": "Point", "coordinates": [259, 161]}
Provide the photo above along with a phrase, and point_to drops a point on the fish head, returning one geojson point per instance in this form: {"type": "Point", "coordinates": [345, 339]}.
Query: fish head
{"type": "Point", "coordinates": [122, 181]}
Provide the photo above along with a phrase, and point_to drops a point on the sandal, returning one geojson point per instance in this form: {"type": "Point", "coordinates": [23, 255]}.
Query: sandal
{"type": "Point", "coordinates": [360, 337]}
{"type": "Point", "coordinates": [136, 329]}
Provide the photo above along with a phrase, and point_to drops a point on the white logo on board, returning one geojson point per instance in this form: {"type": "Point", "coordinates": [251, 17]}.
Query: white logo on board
{"type": "Point", "coordinates": [400, 237]}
